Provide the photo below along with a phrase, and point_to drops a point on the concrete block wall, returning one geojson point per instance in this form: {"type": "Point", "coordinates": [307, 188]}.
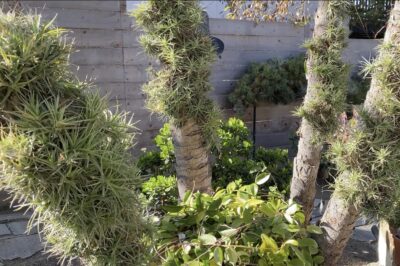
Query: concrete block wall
{"type": "Point", "coordinates": [107, 50]}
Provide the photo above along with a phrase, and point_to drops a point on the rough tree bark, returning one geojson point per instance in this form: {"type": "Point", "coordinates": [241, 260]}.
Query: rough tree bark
{"type": "Point", "coordinates": [341, 214]}
{"type": "Point", "coordinates": [307, 160]}
{"type": "Point", "coordinates": [176, 34]}
{"type": "Point", "coordinates": [193, 168]}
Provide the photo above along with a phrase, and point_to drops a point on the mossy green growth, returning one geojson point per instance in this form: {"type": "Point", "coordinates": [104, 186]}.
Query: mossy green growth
{"type": "Point", "coordinates": [371, 155]}
{"type": "Point", "coordinates": [173, 34]}
{"type": "Point", "coordinates": [329, 74]}
{"type": "Point", "coordinates": [63, 154]}
{"type": "Point", "coordinates": [274, 81]}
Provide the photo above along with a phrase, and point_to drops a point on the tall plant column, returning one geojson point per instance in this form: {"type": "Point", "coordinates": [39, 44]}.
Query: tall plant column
{"type": "Point", "coordinates": [368, 160]}
{"type": "Point", "coordinates": [327, 79]}
{"type": "Point", "coordinates": [178, 91]}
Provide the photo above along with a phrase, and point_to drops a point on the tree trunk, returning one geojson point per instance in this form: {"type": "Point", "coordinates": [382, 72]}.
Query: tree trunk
{"type": "Point", "coordinates": [193, 168]}
{"type": "Point", "coordinates": [307, 160]}
{"type": "Point", "coordinates": [337, 225]}
{"type": "Point", "coordinates": [340, 216]}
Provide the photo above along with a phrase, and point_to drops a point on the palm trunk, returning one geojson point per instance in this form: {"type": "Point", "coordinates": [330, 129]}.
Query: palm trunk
{"type": "Point", "coordinates": [307, 160]}
{"type": "Point", "coordinates": [192, 154]}
{"type": "Point", "coordinates": [341, 214]}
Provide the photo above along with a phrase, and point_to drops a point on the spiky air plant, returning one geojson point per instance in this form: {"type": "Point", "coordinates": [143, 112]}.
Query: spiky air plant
{"type": "Point", "coordinates": [368, 162]}
{"type": "Point", "coordinates": [327, 78]}
{"type": "Point", "coordinates": [63, 154]}
{"type": "Point", "coordinates": [173, 34]}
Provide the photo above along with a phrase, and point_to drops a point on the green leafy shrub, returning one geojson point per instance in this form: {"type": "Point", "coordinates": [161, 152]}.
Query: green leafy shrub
{"type": "Point", "coordinates": [235, 226]}
{"type": "Point", "coordinates": [278, 164]}
{"type": "Point", "coordinates": [63, 154]}
{"type": "Point", "coordinates": [160, 162]}
{"type": "Point", "coordinates": [368, 18]}
{"type": "Point", "coordinates": [275, 81]}
{"type": "Point", "coordinates": [233, 158]}
{"type": "Point", "coordinates": [160, 191]}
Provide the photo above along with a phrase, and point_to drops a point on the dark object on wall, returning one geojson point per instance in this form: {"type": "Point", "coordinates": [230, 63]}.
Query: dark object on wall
{"type": "Point", "coordinates": [218, 44]}
{"type": "Point", "coordinates": [368, 18]}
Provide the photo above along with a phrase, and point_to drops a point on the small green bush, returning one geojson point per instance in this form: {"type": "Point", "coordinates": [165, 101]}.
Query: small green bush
{"type": "Point", "coordinates": [232, 157]}
{"type": "Point", "coordinates": [275, 81]}
{"type": "Point", "coordinates": [63, 154]}
{"type": "Point", "coordinates": [160, 191]}
{"type": "Point", "coordinates": [236, 227]}
{"type": "Point", "coordinates": [278, 164]}
{"type": "Point", "coordinates": [160, 162]}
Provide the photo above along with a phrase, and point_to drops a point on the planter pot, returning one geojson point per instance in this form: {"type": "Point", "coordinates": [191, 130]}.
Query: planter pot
{"type": "Point", "coordinates": [388, 245]}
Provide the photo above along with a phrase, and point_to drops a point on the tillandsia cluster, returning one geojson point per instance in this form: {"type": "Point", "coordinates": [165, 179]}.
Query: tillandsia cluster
{"type": "Point", "coordinates": [371, 156]}
{"type": "Point", "coordinates": [63, 154]}
{"type": "Point", "coordinates": [173, 34]}
{"type": "Point", "coordinates": [326, 100]}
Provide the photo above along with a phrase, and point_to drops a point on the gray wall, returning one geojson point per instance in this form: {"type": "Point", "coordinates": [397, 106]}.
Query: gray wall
{"type": "Point", "coordinates": [108, 51]}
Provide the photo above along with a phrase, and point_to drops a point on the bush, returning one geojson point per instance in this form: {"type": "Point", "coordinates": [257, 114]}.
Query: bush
{"type": "Point", "coordinates": [233, 159]}
{"type": "Point", "coordinates": [236, 227]}
{"type": "Point", "coordinates": [275, 81]}
{"type": "Point", "coordinates": [278, 164]}
{"type": "Point", "coordinates": [160, 191]}
{"type": "Point", "coordinates": [63, 153]}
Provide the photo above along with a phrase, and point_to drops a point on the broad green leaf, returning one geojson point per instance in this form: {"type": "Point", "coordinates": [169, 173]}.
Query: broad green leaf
{"type": "Point", "coordinates": [253, 202]}
{"type": "Point", "coordinates": [268, 244]}
{"type": "Point", "coordinates": [231, 255]}
{"type": "Point", "coordinates": [218, 255]}
{"type": "Point", "coordinates": [291, 242]}
{"type": "Point", "coordinates": [262, 178]}
{"type": "Point", "coordinates": [194, 263]}
{"type": "Point", "coordinates": [299, 254]}
{"type": "Point", "coordinates": [267, 209]}
{"type": "Point", "coordinates": [295, 262]}
{"type": "Point", "coordinates": [262, 262]}
{"type": "Point", "coordinates": [172, 208]}
{"type": "Point", "coordinates": [228, 232]}
{"type": "Point", "coordinates": [314, 229]}
{"type": "Point", "coordinates": [168, 226]}
{"type": "Point", "coordinates": [307, 242]}
{"type": "Point", "coordinates": [207, 239]}
{"type": "Point", "coordinates": [231, 187]}
{"type": "Point", "coordinates": [252, 189]}
{"type": "Point", "coordinates": [200, 216]}
{"type": "Point", "coordinates": [318, 259]}
{"type": "Point", "coordinates": [215, 204]}
{"type": "Point", "coordinates": [288, 218]}
{"type": "Point", "coordinates": [292, 209]}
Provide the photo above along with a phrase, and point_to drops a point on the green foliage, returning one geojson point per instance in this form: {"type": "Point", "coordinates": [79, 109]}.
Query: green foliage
{"type": "Point", "coordinates": [63, 154]}
{"type": "Point", "coordinates": [160, 162]}
{"type": "Point", "coordinates": [372, 153]}
{"type": "Point", "coordinates": [234, 140]}
{"type": "Point", "coordinates": [370, 17]}
{"type": "Point", "coordinates": [233, 158]}
{"type": "Point", "coordinates": [160, 191]}
{"type": "Point", "coordinates": [236, 226]}
{"type": "Point", "coordinates": [275, 81]}
{"type": "Point", "coordinates": [277, 162]}
{"type": "Point", "coordinates": [173, 34]}
{"type": "Point", "coordinates": [329, 74]}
